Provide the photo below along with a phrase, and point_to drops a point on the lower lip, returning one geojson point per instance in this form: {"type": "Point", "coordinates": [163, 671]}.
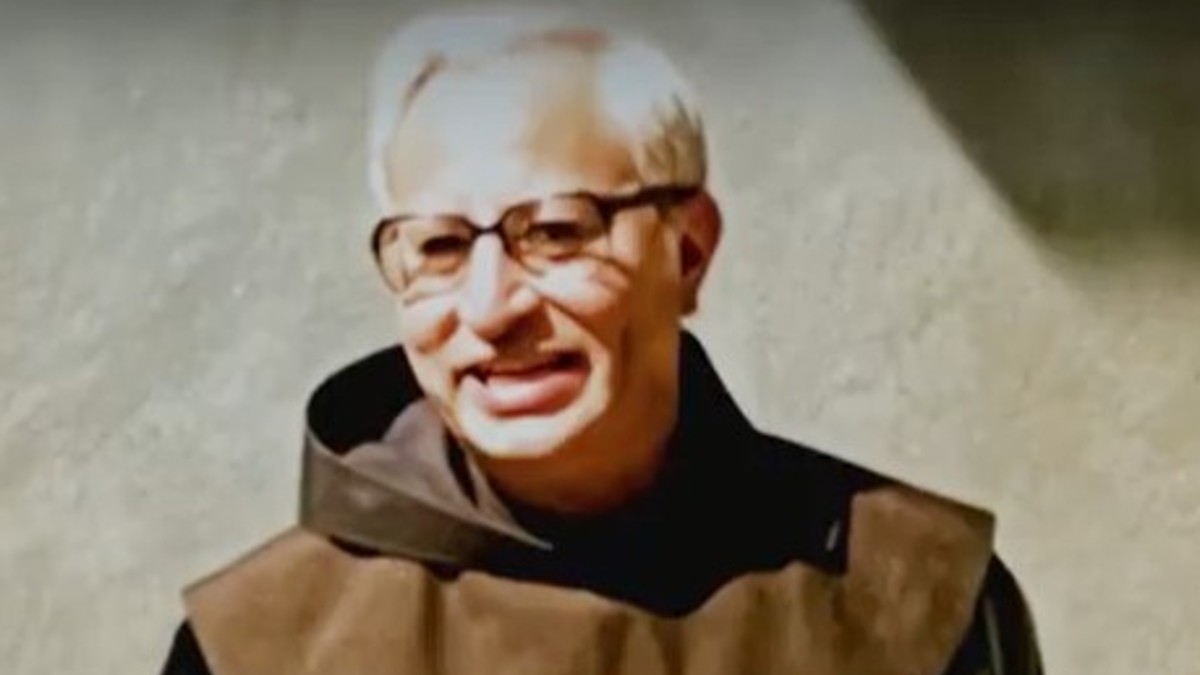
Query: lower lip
{"type": "Point", "coordinates": [542, 390]}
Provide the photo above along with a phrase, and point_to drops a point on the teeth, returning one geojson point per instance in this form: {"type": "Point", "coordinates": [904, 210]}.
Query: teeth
{"type": "Point", "coordinates": [509, 367]}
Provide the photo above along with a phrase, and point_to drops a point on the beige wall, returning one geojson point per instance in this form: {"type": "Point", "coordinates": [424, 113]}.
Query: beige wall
{"type": "Point", "coordinates": [957, 250]}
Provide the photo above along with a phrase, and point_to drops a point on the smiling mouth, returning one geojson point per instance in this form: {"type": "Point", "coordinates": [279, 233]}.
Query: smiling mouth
{"type": "Point", "coordinates": [539, 384]}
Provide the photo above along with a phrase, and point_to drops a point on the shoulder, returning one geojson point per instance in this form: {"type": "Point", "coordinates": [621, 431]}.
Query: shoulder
{"type": "Point", "coordinates": [264, 580]}
{"type": "Point", "coordinates": [1002, 638]}
{"type": "Point", "coordinates": [893, 525]}
{"type": "Point", "coordinates": [911, 567]}
{"type": "Point", "coordinates": [250, 614]}
{"type": "Point", "coordinates": [851, 505]}
{"type": "Point", "coordinates": [786, 468]}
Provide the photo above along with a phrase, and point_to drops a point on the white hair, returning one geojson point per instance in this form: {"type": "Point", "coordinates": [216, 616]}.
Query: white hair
{"type": "Point", "coordinates": [641, 91]}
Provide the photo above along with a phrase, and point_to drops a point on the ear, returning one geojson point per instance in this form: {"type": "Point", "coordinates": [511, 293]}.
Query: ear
{"type": "Point", "coordinates": [700, 230]}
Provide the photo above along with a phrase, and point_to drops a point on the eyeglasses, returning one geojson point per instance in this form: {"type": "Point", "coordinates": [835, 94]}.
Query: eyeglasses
{"type": "Point", "coordinates": [430, 252]}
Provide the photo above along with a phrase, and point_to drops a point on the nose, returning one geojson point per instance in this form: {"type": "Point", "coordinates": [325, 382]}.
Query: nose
{"type": "Point", "coordinates": [492, 297]}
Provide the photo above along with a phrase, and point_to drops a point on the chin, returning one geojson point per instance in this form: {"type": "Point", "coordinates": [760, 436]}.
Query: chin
{"type": "Point", "coordinates": [527, 436]}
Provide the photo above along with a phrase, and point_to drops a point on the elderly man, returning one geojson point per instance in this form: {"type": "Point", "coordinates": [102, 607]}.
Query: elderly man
{"type": "Point", "coordinates": [547, 475]}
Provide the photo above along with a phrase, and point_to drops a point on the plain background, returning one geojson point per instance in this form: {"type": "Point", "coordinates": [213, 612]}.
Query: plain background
{"type": "Point", "coordinates": [960, 248]}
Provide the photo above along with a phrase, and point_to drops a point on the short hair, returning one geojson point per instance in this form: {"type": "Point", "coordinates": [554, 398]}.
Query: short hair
{"type": "Point", "coordinates": [639, 89]}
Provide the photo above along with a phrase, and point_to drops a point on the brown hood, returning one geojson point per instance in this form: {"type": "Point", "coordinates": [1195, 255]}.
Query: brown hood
{"type": "Point", "coordinates": [752, 555]}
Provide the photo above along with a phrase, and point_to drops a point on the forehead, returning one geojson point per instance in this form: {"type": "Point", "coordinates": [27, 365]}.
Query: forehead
{"type": "Point", "coordinates": [480, 137]}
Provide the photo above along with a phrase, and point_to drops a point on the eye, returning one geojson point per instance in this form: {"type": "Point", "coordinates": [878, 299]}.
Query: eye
{"type": "Point", "coordinates": [556, 234]}
{"type": "Point", "coordinates": [438, 247]}
{"type": "Point", "coordinates": [445, 245]}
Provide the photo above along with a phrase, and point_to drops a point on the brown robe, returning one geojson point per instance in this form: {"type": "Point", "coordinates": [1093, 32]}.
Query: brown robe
{"type": "Point", "coordinates": [753, 556]}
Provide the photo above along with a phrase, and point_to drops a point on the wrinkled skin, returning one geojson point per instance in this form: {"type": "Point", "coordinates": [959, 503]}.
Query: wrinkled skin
{"type": "Point", "coordinates": [476, 142]}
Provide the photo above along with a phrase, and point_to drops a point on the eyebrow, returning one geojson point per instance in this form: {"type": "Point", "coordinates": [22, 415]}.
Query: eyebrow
{"type": "Point", "coordinates": [524, 203]}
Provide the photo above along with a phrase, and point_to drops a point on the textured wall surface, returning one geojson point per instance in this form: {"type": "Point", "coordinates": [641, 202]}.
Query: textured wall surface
{"type": "Point", "coordinates": [960, 248]}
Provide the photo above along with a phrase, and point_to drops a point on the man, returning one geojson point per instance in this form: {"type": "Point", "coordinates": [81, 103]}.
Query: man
{"type": "Point", "coordinates": [547, 476]}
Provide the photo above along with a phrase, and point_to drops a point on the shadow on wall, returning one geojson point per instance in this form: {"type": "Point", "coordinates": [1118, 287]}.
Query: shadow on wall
{"type": "Point", "coordinates": [1085, 116]}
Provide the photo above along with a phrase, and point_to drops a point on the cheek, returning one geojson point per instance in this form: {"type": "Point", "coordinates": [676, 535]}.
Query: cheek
{"type": "Point", "coordinates": [655, 283]}
{"type": "Point", "coordinates": [596, 298]}
{"type": "Point", "coordinates": [425, 327]}
{"type": "Point", "coordinates": [424, 332]}
{"type": "Point", "coordinates": [635, 278]}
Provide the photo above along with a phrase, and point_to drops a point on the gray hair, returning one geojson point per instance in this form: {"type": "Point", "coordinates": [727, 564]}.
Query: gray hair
{"type": "Point", "coordinates": [641, 91]}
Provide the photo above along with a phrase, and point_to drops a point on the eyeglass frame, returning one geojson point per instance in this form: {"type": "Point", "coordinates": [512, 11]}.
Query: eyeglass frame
{"type": "Point", "coordinates": [607, 207]}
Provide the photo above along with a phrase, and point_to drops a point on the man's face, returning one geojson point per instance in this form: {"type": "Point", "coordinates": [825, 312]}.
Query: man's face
{"type": "Point", "coordinates": [581, 357]}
